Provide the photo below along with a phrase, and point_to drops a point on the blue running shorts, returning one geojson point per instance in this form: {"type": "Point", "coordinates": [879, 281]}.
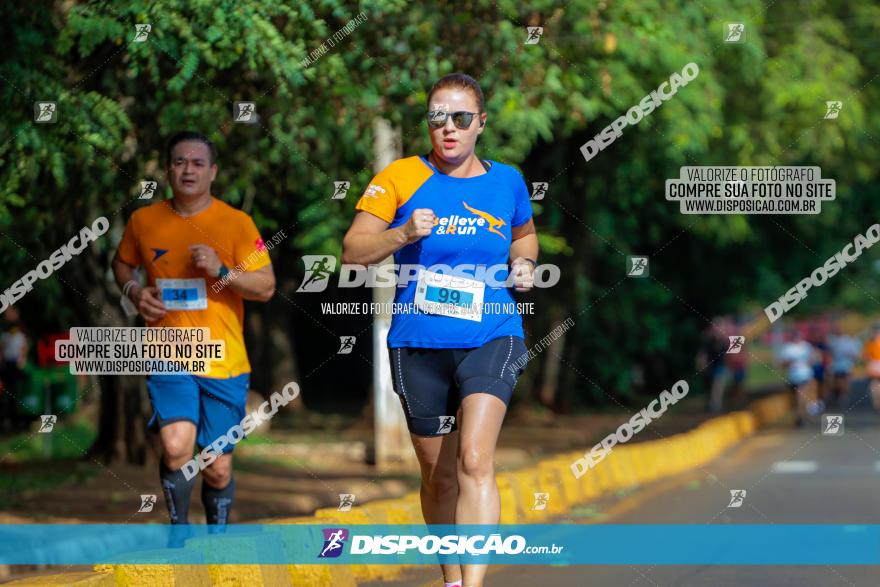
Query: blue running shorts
{"type": "Point", "coordinates": [214, 405]}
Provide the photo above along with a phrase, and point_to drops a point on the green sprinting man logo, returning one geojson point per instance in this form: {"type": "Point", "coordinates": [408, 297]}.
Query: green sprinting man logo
{"type": "Point", "coordinates": [318, 269]}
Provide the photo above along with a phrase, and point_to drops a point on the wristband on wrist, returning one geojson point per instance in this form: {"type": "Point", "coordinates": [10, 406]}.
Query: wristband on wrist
{"type": "Point", "coordinates": [125, 301]}
{"type": "Point", "coordinates": [126, 289]}
{"type": "Point", "coordinates": [224, 271]}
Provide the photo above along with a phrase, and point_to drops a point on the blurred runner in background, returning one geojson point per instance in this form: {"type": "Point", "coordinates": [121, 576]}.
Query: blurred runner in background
{"type": "Point", "coordinates": [710, 362]}
{"type": "Point", "coordinates": [798, 356]}
{"type": "Point", "coordinates": [737, 364]}
{"type": "Point", "coordinates": [845, 351]}
{"type": "Point", "coordinates": [821, 363]}
{"type": "Point", "coordinates": [871, 355]}
{"type": "Point", "coordinates": [14, 348]}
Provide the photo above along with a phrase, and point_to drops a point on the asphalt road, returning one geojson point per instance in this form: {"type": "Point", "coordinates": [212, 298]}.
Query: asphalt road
{"type": "Point", "coordinates": [791, 476]}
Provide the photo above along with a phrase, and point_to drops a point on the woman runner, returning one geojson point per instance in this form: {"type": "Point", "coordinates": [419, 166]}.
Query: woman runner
{"type": "Point", "coordinates": [455, 361]}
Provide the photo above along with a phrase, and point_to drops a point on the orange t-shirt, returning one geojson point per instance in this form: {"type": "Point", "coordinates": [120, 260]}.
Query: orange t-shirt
{"type": "Point", "coordinates": [871, 354]}
{"type": "Point", "coordinates": [158, 239]}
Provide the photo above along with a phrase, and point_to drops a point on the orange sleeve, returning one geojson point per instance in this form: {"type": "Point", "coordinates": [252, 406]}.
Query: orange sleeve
{"type": "Point", "coordinates": [129, 250]}
{"type": "Point", "coordinates": [380, 197]}
{"type": "Point", "coordinates": [248, 248]}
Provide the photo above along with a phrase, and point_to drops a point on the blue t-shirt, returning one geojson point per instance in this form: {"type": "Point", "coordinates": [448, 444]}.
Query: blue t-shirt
{"type": "Point", "coordinates": [798, 356]}
{"type": "Point", "coordinates": [473, 229]}
{"type": "Point", "coordinates": [845, 351]}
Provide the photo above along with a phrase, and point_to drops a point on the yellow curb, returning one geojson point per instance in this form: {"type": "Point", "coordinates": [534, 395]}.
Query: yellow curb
{"type": "Point", "coordinates": [693, 446]}
{"type": "Point", "coordinates": [656, 460]}
{"type": "Point", "coordinates": [573, 456]}
{"type": "Point", "coordinates": [395, 511]}
{"type": "Point", "coordinates": [148, 575]}
{"type": "Point", "coordinates": [662, 456]}
{"type": "Point", "coordinates": [79, 579]}
{"type": "Point", "coordinates": [677, 455]}
{"type": "Point", "coordinates": [314, 575]}
{"type": "Point", "coordinates": [234, 575]}
{"type": "Point", "coordinates": [319, 576]}
{"type": "Point", "coordinates": [357, 515]}
{"type": "Point", "coordinates": [517, 491]}
{"type": "Point", "coordinates": [604, 477]}
{"type": "Point", "coordinates": [567, 482]}
{"type": "Point", "coordinates": [234, 545]}
{"type": "Point", "coordinates": [615, 478]}
{"type": "Point", "coordinates": [551, 476]}
{"type": "Point", "coordinates": [523, 483]}
{"type": "Point", "coordinates": [591, 486]}
{"type": "Point", "coordinates": [413, 497]}
{"type": "Point", "coordinates": [747, 423]}
{"type": "Point", "coordinates": [639, 464]}
{"type": "Point", "coordinates": [690, 449]}
{"type": "Point", "coordinates": [733, 434]}
{"type": "Point", "coordinates": [586, 487]}
{"type": "Point", "coordinates": [545, 480]}
{"type": "Point", "coordinates": [511, 509]}
{"type": "Point", "coordinates": [644, 467]}
{"type": "Point", "coordinates": [616, 463]}
{"type": "Point", "coordinates": [626, 467]}
{"type": "Point", "coordinates": [698, 447]}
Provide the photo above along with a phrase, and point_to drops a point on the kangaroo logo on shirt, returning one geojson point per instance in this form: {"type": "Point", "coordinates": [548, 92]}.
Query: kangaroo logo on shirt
{"type": "Point", "coordinates": [455, 224]}
{"type": "Point", "coordinates": [493, 222]}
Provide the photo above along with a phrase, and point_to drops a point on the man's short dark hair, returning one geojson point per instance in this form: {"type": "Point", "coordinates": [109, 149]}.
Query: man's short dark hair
{"type": "Point", "coordinates": [189, 135]}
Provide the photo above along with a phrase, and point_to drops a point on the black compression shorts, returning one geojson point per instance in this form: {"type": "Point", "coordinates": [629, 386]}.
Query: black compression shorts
{"type": "Point", "coordinates": [432, 382]}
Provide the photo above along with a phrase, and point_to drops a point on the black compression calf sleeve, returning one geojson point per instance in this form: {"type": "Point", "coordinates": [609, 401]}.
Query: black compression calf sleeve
{"type": "Point", "coordinates": [218, 502]}
{"type": "Point", "coordinates": [177, 491]}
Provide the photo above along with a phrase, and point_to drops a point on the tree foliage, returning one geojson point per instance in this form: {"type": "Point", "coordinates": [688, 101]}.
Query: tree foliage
{"type": "Point", "coordinates": [756, 103]}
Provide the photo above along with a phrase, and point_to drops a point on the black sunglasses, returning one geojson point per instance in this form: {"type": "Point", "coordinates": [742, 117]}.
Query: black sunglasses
{"type": "Point", "coordinates": [461, 119]}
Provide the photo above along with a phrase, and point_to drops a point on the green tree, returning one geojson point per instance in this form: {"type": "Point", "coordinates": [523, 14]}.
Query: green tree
{"type": "Point", "coordinates": [756, 103]}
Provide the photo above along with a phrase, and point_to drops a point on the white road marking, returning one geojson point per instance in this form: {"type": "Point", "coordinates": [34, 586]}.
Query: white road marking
{"type": "Point", "coordinates": [795, 467]}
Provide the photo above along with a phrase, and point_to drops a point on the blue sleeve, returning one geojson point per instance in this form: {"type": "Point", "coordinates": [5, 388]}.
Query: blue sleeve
{"type": "Point", "coordinates": [522, 211]}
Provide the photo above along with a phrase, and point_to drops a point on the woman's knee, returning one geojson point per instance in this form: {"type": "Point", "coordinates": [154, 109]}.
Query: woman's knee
{"type": "Point", "coordinates": [440, 482]}
{"type": "Point", "coordinates": [476, 464]}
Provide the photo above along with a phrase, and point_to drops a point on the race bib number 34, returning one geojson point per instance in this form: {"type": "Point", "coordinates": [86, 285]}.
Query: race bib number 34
{"type": "Point", "coordinates": [183, 294]}
{"type": "Point", "coordinates": [450, 295]}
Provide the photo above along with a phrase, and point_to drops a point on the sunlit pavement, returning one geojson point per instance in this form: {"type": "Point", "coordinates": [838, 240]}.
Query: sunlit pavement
{"type": "Point", "coordinates": [791, 476]}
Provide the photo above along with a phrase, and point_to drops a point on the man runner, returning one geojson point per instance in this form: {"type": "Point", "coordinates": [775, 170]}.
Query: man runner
{"type": "Point", "coordinates": [186, 244]}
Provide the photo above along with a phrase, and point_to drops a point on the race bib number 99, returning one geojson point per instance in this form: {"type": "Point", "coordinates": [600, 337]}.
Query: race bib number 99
{"type": "Point", "coordinates": [450, 295]}
{"type": "Point", "coordinates": [183, 294]}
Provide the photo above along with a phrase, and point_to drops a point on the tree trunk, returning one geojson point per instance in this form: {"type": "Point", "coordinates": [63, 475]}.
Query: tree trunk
{"type": "Point", "coordinates": [124, 410]}
{"type": "Point", "coordinates": [271, 348]}
{"type": "Point", "coordinates": [552, 360]}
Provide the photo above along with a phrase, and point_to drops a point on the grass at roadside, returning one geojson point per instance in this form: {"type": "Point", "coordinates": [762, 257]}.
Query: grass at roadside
{"type": "Point", "coordinates": [66, 441]}
{"type": "Point", "coordinates": [23, 482]}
